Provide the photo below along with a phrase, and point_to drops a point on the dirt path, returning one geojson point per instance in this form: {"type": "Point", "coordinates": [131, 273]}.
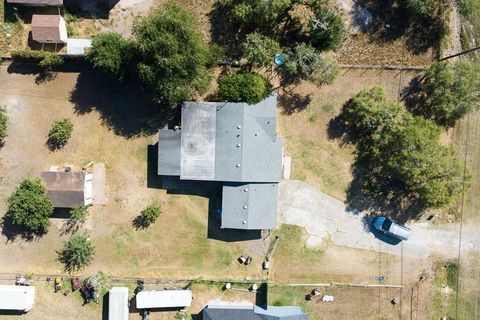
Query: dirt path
{"type": "Point", "coordinates": [455, 23]}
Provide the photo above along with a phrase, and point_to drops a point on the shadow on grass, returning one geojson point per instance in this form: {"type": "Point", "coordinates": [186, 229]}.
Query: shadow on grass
{"type": "Point", "coordinates": [90, 9]}
{"type": "Point", "coordinates": [293, 102]}
{"type": "Point", "coordinates": [123, 106]}
{"type": "Point", "coordinates": [208, 189]}
{"type": "Point", "coordinates": [139, 223]}
{"type": "Point", "coordinates": [392, 20]}
{"type": "Point", "coordinates": [12, 231]}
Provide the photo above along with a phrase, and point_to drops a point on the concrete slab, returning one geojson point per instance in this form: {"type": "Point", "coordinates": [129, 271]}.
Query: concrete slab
{"type": "Point", "coordinates": [99, 176]}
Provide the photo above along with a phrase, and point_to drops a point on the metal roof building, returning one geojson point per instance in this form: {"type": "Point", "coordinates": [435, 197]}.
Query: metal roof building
{"type": "Point", "coordinates": [234, 143]}
{"type": "Point", "coordinates": [37, 2]}
{"type": "Point", "coordinates": [118, 303]}
{"type": "Point", "coordinates": [20, 298]}
{"type": "Point", "coordinates": [238, 312]}
{"type": "Point", "coordinates": [164, 299]}
{"type": "Point", "coordinates": [68, 189]}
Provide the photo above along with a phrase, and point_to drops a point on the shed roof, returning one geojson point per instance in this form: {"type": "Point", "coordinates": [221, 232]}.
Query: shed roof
{"type": "Point", "coordinates": [16, 297]}
{"type": "Point", "coordinates": [228, 312]}
{"type": "Point", "coordinates": [118, 303]}
{"type": "Point", "coordinates": [65, 189]}
{"type": "Point", "coordinates": [46, 27]}
{"type": "Point", "coordinates": [38, 2]}
{"type": "Point", "coordinates": [249, 206]}
{"type": "Point", "coordinates": [169, 142]}
{"type": "Point", "coordinates": [164, 299]}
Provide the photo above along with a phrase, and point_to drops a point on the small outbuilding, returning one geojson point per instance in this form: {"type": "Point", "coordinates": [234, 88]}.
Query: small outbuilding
{"type": "Point", "coordinates": [16, 298]}
{"type": "Point", "coordinates": [118, 303]}
{"type": "Point", "coordinates": [68, 189]}
{"type": "Point", "coordinates": [164, 299]}
{"type": "Point", "coordinates": [78, 47]}
{"type": "Point", "coordinates": [37, 3]}
{"type": "Point", "coordinates": [49, 29]}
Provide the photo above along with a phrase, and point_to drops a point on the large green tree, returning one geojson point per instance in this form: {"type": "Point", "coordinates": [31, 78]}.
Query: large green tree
{"type": "Point", "coordinates": [171, 56]}
{"type": "Point", "coordinates": [167, 54]}
{"type": "Point", "coordinates": [260, 50]}
{"type": "Point", "coordinates": [402, 151]}
{"type": "Point", "coordinates": [29, 206]}
{"type": "Point", "coordinates": [326, 30]}
{"type": "Point", "coordinates": [77, 252]}
{"type": "Point", "coordinates": [452, 90]}
{"type": "Point", "coordinates": [109, 53]}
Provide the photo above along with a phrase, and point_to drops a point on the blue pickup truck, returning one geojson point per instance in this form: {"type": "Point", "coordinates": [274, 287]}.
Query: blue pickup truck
{"type": "Point", "coordinates": [392, 228]}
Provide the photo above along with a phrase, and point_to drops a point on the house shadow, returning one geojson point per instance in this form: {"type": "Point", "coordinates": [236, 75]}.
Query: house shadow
{"type": "Point", "coordinates": [124, 108]}
{"type": "Point", "coordinates": [92, 9]}
{"type": "Point", "coordinates": [207, 189]}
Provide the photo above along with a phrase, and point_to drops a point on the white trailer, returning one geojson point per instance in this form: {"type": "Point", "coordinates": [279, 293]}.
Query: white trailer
{"type": "Point", "coordinates": [164, 299]}
{"type": "Point", "coordinates": [18, 298]}
{"type": "Point", "coordinates": [118, 303]}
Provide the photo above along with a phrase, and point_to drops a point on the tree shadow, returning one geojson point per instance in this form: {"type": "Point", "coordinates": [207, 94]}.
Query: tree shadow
{"type": "Point", "coordinates": [123, 107]}
{"type": "Point", "coordinates": [392, 19]}
{"type": "Point", "coordinates": [139, 223]}
{"type": "Point", "coordinates": [293, 102]}
{"type": "Point", "coordinates": [12, 231]}
{"type": "Point", "coordinates": [92, 9]}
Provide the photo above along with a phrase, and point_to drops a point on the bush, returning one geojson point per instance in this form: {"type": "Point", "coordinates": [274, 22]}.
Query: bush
{"type": "Point", "coordinates": [77, 253]}
{"type": "Point", "coordinates": [148, 216]}
{"type": "Point", "coordinates": [3, 123]}
{"type": "Point", "coordinates": [467, 7]}
{"type": "Point", "coordinates": [427, 9]}
{"type": "Point", "coordinates": [51, 61]}
{"type": "Point", "coordinates": [60, 133]}
{"type": "Point", "coordinates": [260, 50]}
{"type": "Point", "coordinates": [452, 91]}
{"type": "Point", "coordinates": [30, 207]}
{"type": "Point", "coordinates": [402, 152]}
{"type": "Point", "coordinates": [109, 53]}
{"type": "Point", "coordinates": [79, 214]}
{"type": "Point", "coordinates": [243, 87]}
{"type": "Point", "coordinates": [47, 60]}
{"type": "Point", "coordinates": [326, 30]}
{"type": "Point", "coordinates": [305, 63]}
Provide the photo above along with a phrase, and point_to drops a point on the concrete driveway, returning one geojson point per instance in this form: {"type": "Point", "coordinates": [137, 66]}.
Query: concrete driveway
{"type": "Point", "coordinates": [328, 219]}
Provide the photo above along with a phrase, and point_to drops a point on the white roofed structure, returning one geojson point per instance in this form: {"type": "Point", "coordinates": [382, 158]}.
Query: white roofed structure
{"type": "Point", "coordinates": [164, 299]}
{"type": "Point", "coordinates": [118, 303]}
{"type": "Point", "coordinates": [19, 298]}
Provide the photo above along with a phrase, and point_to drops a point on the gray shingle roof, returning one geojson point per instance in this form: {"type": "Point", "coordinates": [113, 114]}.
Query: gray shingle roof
{"type": "Point", "coordinates": [234, 143]}
{"type": "Point", "coordinates": [169, 142]}
{"type": "Point", "coordinates": [227, 312]}
{"type": "Point", "coordinates": [249, 206]}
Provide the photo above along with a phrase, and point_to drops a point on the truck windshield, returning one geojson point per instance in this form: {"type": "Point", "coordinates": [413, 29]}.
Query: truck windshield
{"type": "Point", "coordinates": [386, 224]}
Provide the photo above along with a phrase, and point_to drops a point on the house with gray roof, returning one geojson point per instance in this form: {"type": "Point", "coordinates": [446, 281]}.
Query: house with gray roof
{"type": "Point", "coordinates": [252, 312]}
{"type": "Point", "coordinates": [232, 143]}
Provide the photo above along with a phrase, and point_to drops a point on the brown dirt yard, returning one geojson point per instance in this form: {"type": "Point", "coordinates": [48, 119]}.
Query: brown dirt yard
{"type": "Point", "coordinates": [114, 124]}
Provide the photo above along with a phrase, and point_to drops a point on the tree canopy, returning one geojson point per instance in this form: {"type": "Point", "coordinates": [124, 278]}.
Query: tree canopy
{"type": "Point", "coordinates": [260, 50]}
{"type": "Point", "coordinates": [452, 90]}
{"type": "Point", "coordinates": [60, 133]}
{"type": "Point", "coordinates": [247, 87]}
{"type": "Point", "coordinates": [77, 252]}
{"type": "Point", "coordinates": [167, 54]}
{"type": "Point", "coordinates": [403, 152]}
{"type": "Point", "coordinates": [326, 30]}
{"type": "Point", "coordinates": [148, 216]}
{"type": "Point", "coordinates": [29, 206]}
{"type": "Point", "coordinates": [109, 53]}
